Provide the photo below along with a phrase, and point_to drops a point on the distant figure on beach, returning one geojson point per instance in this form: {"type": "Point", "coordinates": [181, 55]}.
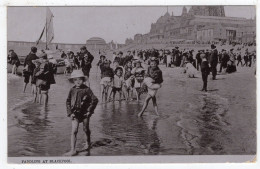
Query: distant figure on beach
{"type": "Point", "coordinates": [153, 81]}
{"type": "Point", "coordinates": [205, 70]}
{"type": "Point", "coordinates": [190, 70]}
{"type": "Point", "coordinates": [81, 103]}
{"type": "Point", "coordinates": [29, 66]}
{"type": "Point", "coordinates": [213, 60]}
{"type": "Point", "coordinates": [231, 64]}
{"type": "Point", "coordinates": [13, 60]}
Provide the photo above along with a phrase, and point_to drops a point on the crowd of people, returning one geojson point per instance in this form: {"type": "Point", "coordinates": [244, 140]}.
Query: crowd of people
{"type": "Point", "coordinates": [135, 73]}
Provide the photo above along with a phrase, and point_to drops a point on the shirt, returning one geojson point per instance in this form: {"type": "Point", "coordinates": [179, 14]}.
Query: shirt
{"type": "Point", "coordinates": [118, 81]}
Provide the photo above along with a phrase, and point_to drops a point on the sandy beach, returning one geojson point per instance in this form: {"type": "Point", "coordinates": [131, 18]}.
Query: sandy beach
{"type": "Point", "coordinates": [220, 121]}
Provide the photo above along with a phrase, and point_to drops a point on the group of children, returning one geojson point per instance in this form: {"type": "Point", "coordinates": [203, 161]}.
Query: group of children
{"type": "Point", "coordinates": [126, 80]}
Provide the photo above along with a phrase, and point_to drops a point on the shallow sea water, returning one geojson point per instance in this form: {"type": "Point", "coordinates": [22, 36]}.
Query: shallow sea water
{"type": "Point", "coordinates": [190, 122]}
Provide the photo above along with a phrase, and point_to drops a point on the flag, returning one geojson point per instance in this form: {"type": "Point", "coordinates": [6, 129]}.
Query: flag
{"type": "Point", "coordinates": [49, 26]}
{"type": "Point", "coordinates": [37, 42]}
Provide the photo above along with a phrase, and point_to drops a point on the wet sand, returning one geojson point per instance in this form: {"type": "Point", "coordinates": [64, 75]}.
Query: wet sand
{"type": "Point", "coordinates": [220, 121]}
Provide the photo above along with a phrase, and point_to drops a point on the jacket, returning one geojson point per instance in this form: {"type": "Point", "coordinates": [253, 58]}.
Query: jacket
{"type": "Point", "coordinates": [205, 67]}
{"type": "Point", "coordinates": [79, 95]}
{"type": "Point", "coordinates": [28, 61]}
{"type": "Point", "coordinates": [213, 58]}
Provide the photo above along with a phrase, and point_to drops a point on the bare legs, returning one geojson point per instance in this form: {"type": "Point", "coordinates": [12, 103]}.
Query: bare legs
{"type": "Point", "coordinates": [147, 99]}
{"type": "Point", "coordinates": [73, 138]}
{"type": "Point", "coordinates": [24, 87]}
{"type": "Point", "coordinates": [74, 132]}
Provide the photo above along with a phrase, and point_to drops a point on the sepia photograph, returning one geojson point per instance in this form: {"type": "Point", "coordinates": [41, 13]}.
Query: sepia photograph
{"type": "Point", "coordinates": [135, 81]}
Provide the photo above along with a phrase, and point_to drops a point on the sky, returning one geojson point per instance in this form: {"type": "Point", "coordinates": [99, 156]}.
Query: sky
{"type": "Point", "coordinates": [77, 24]}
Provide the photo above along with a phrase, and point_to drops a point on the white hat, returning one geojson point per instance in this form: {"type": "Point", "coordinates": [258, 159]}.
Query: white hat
{"type": "Point", "coordinates": [77, 74]}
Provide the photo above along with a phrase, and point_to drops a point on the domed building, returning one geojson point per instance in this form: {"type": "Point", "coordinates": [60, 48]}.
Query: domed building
{"type": "Point", "coordinates": [96, 43]}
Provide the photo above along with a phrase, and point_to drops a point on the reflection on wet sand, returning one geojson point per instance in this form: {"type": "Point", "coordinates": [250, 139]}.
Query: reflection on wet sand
{"type": "Point", "coordinates": [133, 134]}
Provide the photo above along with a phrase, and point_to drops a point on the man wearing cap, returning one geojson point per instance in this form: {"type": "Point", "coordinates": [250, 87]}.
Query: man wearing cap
{"type": "Point", "coordinates": [29, 66]}
{"type": "Point", "coordinates": [213, 60]}
{"type": "Point", "coordinates": [86, 59]}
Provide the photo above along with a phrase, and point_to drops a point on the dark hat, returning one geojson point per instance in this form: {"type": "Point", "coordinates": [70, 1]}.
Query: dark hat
{"type": "Point", "coordinates": [34, 49]}
{"type": "Point", "coordinates": [223, 50]}
{"type": "Point", "coordinates": [177, 47]}
{"type": "Point", "coordinates": [102, 56]}
{"type": "Point", "coordinates": [120, 52]}
{"type": "Point", "coordinates": [213, 46]}
{"type": "Point", "coordinates": [231, 49]}
{"type": "Point", "coordinates": [118, 68]}
{"type": "Point", "coordinates": [83, 48]}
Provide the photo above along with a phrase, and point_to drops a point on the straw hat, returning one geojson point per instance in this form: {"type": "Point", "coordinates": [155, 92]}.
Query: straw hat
{"type": "Point", "coordinates": [77, 74]}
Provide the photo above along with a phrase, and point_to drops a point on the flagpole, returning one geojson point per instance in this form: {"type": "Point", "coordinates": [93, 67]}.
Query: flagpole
{"type": "Point", "coordinates": [46, 31]}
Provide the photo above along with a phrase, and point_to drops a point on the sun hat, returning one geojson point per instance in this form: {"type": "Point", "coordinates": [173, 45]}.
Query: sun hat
{"type": "Point", "coordinates": [77, 74]}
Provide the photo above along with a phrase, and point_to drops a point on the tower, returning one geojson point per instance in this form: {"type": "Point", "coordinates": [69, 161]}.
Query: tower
{"type": "Point", "coordinates": [184, 11]}
{"type": "Point", "coordinates": [208, 11]}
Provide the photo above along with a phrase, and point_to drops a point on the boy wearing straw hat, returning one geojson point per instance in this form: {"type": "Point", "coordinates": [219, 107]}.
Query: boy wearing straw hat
{"type": "Point", "coordinates": [81, 103]}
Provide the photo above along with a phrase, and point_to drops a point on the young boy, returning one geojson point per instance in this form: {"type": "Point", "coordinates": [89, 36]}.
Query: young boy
{"type": "Point", "coordinates": [153, 82]}
{"type": "Point", "coordinates": [107, 75]}
{"type": "Point", "coordinates": [128, 79]}
{"type": "Point", "coordinates": [35, 89]}
{"type": "Point", "coordinates": [81, 103]}
{"type": "Point", "coordinates": [68, 65]}
{"type": "Point", "coordinates": [205, 70]}
{"type": "Point", "coordinates": [138, 73]}
{"type": "Point", "coordinates": [117, 84]}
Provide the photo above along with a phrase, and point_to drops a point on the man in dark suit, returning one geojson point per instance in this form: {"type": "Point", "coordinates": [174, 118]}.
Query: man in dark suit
{"type": "Point", "coordinates": [213, 60]}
